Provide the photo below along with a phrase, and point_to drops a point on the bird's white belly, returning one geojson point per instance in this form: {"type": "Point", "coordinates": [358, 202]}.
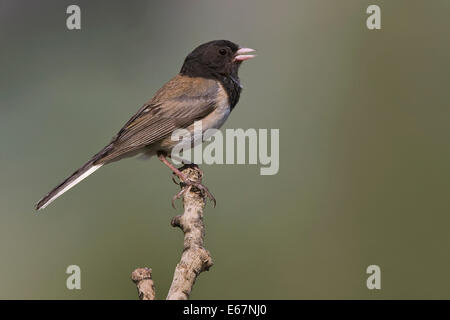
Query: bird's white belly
{"type": "Point", "coordinates": [217, 118]}
{"type": "Point", "coordinates": [209, 124]}
{"type": "Point", "coordinates": [213, 121]}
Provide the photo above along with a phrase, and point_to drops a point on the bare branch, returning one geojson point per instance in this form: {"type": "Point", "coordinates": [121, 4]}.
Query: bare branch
{"type": "Point", "coordinates": [142, 277]}
{"type": "Point", "coordinates": [195, 258]}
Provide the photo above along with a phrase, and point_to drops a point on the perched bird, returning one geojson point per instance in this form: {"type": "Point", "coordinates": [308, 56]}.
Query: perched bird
{"type": "Point", "coordinates": [207, 88]}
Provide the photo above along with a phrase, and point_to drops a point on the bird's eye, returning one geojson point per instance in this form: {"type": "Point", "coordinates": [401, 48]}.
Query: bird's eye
{"type": "Point", "coordinates": [222, 52]}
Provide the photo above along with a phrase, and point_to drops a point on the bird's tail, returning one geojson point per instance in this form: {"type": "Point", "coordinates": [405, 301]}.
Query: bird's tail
{"type": "Point", "coordinates": [71, 181]}
{"type": "Point", "coordinates": [86, 170]}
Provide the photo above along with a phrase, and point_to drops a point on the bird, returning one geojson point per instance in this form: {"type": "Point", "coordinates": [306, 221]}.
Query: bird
{"type": "Point", "coordinates": [207, 88]}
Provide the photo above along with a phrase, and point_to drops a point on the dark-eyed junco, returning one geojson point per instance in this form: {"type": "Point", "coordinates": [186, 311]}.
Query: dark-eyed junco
{"type": "Point", "coordinates": [207, 89]}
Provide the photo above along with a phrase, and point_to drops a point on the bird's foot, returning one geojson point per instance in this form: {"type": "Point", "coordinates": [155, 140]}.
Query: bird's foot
{"type": "Point", "coordinates": [187, 185]}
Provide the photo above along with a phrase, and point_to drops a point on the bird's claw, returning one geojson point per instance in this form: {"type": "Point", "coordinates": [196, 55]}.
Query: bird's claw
{"type": "Point", "coordinates": [189, 185]}
{"type": "Point", "coordinates": [204, 189]}
{"type": "Point", "coordinates": [175, 181]}
{"type": "Point", "coordinates": [178, 195]}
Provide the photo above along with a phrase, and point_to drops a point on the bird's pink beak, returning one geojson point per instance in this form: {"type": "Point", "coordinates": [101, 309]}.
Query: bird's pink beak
{"type": "Point", "coordinates": [241, 54]}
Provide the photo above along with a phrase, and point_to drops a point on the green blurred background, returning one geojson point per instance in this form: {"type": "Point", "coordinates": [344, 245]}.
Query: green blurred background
{"type": "Point", "coordinates": [364, 149]}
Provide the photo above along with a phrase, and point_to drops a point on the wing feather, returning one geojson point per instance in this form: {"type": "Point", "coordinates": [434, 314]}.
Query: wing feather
{"type": "Point", "coordinates": [178, 104]}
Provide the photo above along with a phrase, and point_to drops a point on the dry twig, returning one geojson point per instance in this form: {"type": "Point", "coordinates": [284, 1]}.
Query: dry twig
{"type": "Point", "coordinates": [195, 258]}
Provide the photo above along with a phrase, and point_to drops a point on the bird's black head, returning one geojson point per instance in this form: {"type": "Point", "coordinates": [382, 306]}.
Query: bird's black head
{"type": "Point", "coordinates": [215, 59]}
{"type": "Point", "coordinates": [220, 60]}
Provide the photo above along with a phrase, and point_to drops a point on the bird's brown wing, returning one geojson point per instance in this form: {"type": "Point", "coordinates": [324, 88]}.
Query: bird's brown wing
{"type": "Point", "coordinates": [178, 104]}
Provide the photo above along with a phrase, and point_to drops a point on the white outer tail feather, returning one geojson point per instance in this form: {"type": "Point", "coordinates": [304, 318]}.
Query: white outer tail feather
{"type": "Point", "coordinates": [73, 183]}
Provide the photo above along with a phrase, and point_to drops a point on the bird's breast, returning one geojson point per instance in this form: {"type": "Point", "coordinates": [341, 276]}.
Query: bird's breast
{"type": "Point", "coordinates": [217, 118]}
